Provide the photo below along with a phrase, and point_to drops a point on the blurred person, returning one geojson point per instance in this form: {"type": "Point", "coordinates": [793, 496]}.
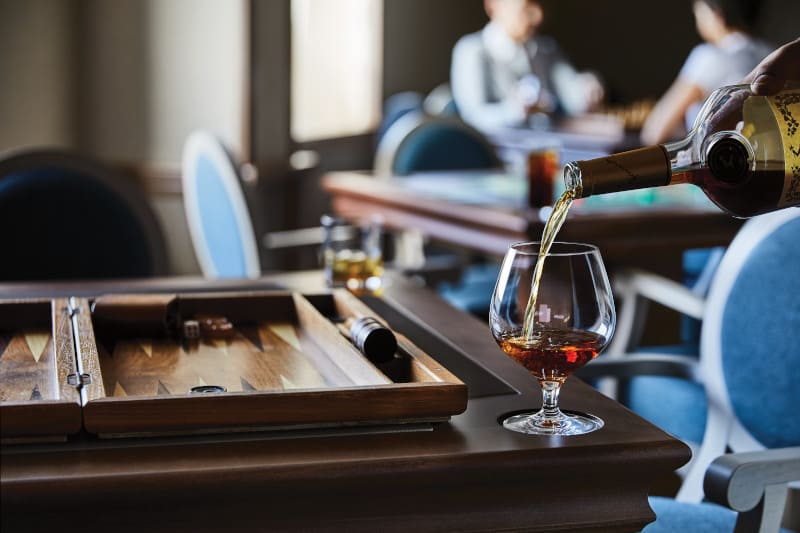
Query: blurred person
{"type": "Point", "coordinates": [727, 55]}
{"type": "Point", "coordinates": [505, 73]}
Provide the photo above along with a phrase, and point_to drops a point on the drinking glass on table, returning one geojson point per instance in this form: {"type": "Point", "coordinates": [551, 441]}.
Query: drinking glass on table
{"type": "Point", "coordinates": [352, 256]}
{"type": "Point", "coordinates": [571, 320]}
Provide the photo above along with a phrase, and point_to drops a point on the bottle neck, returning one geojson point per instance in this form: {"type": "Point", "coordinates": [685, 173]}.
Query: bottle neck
{"type": "Point", "coordinates": [653, 166]}
{"type": "Point", "coordinates": [636, 169]}
{"type": "Point", "coordinates": [683, 159]}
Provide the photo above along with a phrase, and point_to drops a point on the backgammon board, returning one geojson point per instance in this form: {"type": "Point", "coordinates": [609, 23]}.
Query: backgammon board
{"type": "Point", "coordinates": [147, 368]}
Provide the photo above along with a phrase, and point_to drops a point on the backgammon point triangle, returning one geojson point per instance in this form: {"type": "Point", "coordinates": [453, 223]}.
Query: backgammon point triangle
{"type": "Point", "coordinates": [287, 334]}
{"type": "Point", "coordinates": [288, 383]}
{"type": "Point", "coordinates": [162, 389]}
{"type": "Point", "coordinates": [4, 342]}
{"type": "Point", "coordinates": [37, 342]}
{"type": "Point", "coordinates": [251, 334]}
{"type": "Point", "coordinates": [35, 393]}
{"type": "Point", "coordinates": [147, 346]}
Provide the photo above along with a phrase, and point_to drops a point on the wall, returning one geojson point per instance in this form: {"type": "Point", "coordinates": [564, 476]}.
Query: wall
{"type": "Point", "coordinates": [36, 84]}
{"type": "Point", "coordinates": [125, 81]}
{"type": "Point", "coordinates": [638, 47]}
{"type": "Point", "coordinates": [150, 73]}
{"type": "Point", "coordinates": [418, 38]}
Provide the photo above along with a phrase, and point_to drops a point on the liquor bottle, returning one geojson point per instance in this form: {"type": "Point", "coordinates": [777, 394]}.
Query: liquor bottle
{"type": "Point", "coordinates": [743, 152]}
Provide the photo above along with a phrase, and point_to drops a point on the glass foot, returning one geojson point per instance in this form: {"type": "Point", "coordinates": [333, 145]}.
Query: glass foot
{"type": "Point", "coordinates": [565, 423]}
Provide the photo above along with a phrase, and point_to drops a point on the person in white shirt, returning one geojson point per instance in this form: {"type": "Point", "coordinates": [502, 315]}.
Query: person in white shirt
{"type": "Point", "coordinates": [727, 55]}
{"type": "Point", "coordinates": [504, 73]}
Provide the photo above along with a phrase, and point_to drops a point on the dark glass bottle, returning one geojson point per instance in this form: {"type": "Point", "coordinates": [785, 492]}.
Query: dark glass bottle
{"type": "Point", "coordinates": [743, 152]}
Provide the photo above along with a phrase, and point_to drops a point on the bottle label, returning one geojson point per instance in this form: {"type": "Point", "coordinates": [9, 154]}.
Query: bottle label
{"type": "Point", "coordinates": [786, 107]}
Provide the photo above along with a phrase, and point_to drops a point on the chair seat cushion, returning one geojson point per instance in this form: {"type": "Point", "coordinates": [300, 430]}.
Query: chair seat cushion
{"type": "Point", "coordinates": [680, 517]}
{"type": "Point", "coordinates": [473, 292]}
{"type": "Point", "coordinates": [675, 405]}
{"type": "Point", "coordinates": [673, 516]}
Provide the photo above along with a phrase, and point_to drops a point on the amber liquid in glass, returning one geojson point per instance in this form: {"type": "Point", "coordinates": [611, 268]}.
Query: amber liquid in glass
{"type": "Point", "coordinates": [553, 354]}
{"type": "Point", "coordinates": [352, 268]}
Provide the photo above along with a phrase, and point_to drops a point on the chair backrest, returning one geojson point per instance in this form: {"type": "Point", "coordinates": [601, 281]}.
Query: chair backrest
{"type": "Point", "coordinates": [418, 142]}
{"type": "Point", "coordinates": [440, 101]}
{"type": "Point", "coordinates": [66, 216]}
{"type": "Point", "coordinates": [395, 107]}
{"type": "Point", "coordinates": [750, 344]}
{"type": "Point", "coordinates": [219, 222]}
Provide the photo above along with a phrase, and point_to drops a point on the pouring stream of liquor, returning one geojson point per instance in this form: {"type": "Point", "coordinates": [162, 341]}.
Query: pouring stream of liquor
{"type": "Point", "coordinates": [554, 223]}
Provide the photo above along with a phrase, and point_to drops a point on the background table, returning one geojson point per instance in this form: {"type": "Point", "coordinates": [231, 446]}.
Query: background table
{"type": "Point", "coordinates": [456, 207]}
{"type": "Point", "coordinates": [466, 474]}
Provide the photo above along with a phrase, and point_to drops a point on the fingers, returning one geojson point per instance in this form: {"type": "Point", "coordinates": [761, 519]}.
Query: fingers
{"type": "Point", "coordinates": [772, 73]}
{"type": "Point", "coordinates": [766, 84]}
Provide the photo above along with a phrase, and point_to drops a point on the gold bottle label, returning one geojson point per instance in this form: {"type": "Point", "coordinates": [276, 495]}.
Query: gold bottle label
{"type": "Point", "coordinates": [786, 107]}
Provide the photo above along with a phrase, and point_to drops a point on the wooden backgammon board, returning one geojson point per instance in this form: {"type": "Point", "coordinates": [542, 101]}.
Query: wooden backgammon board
{"type": "Point", "coordinates": [173, 364]}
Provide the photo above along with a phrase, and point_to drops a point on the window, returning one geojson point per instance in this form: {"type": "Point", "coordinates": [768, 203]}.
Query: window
{"type": "Point", "coordinates": [336, 67]}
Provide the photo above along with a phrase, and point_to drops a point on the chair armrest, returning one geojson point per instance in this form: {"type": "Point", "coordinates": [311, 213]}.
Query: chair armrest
{"type": "Point", "coordinates": [313, 236]}
{"type": "Point", "coordinates": [659, 289]}
{"type": "Point", "coordinates": [739, 480]}
{"type": "Point", "coordinates": [679, 366]}
{"type": "Point", "coordinates": [635, 288]}
{"type": "Point", "coordinates": [293, 238]}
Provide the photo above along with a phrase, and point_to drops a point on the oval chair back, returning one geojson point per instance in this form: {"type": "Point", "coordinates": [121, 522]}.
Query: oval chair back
{"type": "Point", "coordinates": [417, 143]}
{"type": "Point", "coordinates": [216, 211]}
{"type": "Point", "coordinates": [395, 107]}
{"type": "Point", "coordinates": [750, 345]}
{"type": "Point", "coordinates": [66, 216]}
{"type": "Point", "coordinates": [440, 101]}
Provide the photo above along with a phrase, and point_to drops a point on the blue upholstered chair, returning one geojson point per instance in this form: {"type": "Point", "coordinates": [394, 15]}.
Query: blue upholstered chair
{"type": "Point", "coordinates": [66, 216]}
{"type": "Point", "coordinates": [440, 102]}
{"type": "Point", "coordinates": [227, 242]}
{"type": "Point", "coordinates": [418, 142]}
{"type": "Point", "coordinates": [395, 107]}
{"type": "Point", "coordinates": [219, 221]}
{"type": "Point", "coordinates": [644, 394]}
{"type": "Point", "coordinates": [748, 370]}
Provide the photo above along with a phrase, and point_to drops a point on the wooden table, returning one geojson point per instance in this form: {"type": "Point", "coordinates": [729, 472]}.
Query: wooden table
{"type": "Point", "coordinates": [487, 225]}
{"type": "Point", "coordinates": [465, 474]}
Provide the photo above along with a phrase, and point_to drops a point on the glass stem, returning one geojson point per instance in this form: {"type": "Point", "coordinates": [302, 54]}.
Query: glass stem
{"type": "Point", "coordinates": [550, 391]}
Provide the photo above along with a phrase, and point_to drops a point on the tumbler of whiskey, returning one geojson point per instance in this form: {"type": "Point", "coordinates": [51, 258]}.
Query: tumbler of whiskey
{"type": "Point", "coordinates": [352, 256]}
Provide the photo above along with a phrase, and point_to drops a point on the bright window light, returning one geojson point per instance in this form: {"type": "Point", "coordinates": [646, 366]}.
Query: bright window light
{"type": "Point", "coordinates": [336, 67]}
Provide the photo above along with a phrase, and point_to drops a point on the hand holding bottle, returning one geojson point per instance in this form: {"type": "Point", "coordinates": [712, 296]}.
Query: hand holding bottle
{"type": "Point", "coordinates": [782, 65]}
